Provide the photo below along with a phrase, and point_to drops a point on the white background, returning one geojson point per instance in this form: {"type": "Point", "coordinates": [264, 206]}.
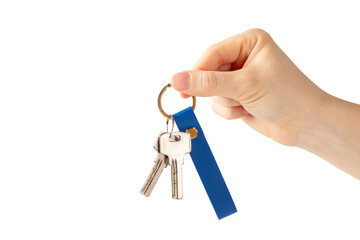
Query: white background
{"type": "Point", "coordinates": [78, 117]}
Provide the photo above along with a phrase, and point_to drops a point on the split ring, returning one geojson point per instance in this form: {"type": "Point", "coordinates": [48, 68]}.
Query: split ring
{"type": "Point", "coordinates": [168, 116]}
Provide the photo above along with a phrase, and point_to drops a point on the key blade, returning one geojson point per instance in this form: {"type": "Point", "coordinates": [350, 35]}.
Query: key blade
{"type": "Point", "coordinates": [160, 164]}
{"type": "Point", "coordinates": [175, 146]}
{"type": "Point", "coordinates": [176, 179]}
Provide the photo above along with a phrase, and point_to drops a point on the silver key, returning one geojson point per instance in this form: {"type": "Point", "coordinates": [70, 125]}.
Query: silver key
{"type": "Point", "coordinates": [175, 145]}
{"type": "Point", "coordinates": [161, 162]}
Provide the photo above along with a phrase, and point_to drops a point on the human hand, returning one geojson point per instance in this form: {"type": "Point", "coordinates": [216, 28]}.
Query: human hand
{"type": "Point", "coordinates": [250, 77]}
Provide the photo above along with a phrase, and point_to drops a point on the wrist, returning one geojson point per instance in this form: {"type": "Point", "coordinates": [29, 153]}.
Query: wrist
{"type": "Point", "coordinates": [319, 123]}
{"type": "Point", "coordinates": [332, 132]}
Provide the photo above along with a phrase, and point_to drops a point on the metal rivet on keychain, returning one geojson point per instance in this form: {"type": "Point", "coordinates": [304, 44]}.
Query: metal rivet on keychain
{"type": "Point", "coordinates": [192, 131]}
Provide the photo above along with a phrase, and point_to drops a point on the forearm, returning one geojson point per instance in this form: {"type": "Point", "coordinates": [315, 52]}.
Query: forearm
{"type": "Point", "coordinates": [333, 133]}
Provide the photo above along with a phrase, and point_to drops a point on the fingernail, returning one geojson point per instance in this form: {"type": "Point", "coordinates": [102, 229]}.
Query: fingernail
{"type": "Point", "coordinates": [181, 81]}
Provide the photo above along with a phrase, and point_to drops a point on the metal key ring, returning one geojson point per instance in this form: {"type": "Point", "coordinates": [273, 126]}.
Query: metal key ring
{"type": "Point", "coordinates": [160, 106]}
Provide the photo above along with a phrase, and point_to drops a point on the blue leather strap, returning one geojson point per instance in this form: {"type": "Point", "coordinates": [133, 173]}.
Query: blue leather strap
{"type": "Point", "coordinates": [206, 165]}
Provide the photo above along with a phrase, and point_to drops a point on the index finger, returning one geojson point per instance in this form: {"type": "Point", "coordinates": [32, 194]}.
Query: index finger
{"type": "Point", "coordinates": [234, 50]}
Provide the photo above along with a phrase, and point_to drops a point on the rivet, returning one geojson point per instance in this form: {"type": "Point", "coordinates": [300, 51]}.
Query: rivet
{"type": "Point", "coordinates": [192, 131]}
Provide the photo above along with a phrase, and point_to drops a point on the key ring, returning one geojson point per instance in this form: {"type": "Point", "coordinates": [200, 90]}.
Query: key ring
{"type": "Point", "coordinates": [160, 106]}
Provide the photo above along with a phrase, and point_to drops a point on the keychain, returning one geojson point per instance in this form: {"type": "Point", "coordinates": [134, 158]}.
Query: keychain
{"type": "Point", "coordinates": [171, 148]}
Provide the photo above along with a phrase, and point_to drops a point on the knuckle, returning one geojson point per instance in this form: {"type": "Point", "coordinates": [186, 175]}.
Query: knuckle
{"type": "Point", "coordinates": [259, 32]}
{"type": "Point", "coordinates": [208, 82]}
{"type": "Point", "coordinates": [227, 113]}
{"type": "Point", "coordinates": [214, 52]}
{"type": "Point", "coordinates": [212, 48]}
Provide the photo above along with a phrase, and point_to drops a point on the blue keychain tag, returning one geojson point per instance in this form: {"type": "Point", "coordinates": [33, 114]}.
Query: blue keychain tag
{"type": "Point", "coordinates": [206, 165]}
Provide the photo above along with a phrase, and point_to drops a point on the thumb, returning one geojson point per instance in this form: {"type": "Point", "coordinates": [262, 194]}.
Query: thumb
{"type": "Point", "coordinates": [206, 83]}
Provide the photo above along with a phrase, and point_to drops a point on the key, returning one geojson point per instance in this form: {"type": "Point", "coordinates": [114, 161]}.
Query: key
{"type": "Point", "coordinates": [175, 146]}
{"type": "Point", "coordinates": [161, 162]}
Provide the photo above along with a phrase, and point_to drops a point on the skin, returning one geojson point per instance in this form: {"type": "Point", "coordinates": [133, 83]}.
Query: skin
{"type": "Point", "coordinates": [249, 77]}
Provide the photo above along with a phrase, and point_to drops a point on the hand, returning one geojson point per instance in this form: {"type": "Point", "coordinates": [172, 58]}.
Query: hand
{"type": "Point", "coordinates": [250, 77]}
